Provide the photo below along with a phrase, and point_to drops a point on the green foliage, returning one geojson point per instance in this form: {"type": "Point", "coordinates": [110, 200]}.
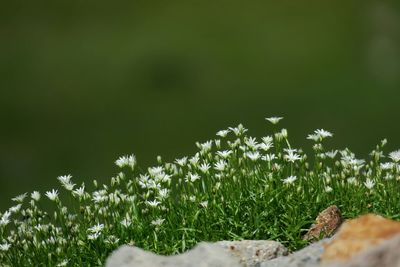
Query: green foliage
{"type": "Point", "coordinates": [233, 188]}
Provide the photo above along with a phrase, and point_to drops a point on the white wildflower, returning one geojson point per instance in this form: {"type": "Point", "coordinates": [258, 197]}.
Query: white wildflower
{"type": "Point", "coordinates": [239, 130]}
{"type": "Point", "coordinates": [387, 165]}
{"type": "Point", "coordinates": [80, 192]}
{"type": "Point", "coordinates": [163, 193]}
{"type": "Point", "coordinates": [204, 167]}
{"type": "Point", "coordinates": [270, 157]}
{"type": "Point", "coordinates": [191, 177]}
{"type": "Point", "coordinates": [15, 209]}
{"type": "Point", "coordinates": [253, 155]}
{"type": "Point", "coordinates": [220, 165]}
{"type": "Point", "coordinates": [5, 218]}
{"type": "Point", "coordinates": [195, 159]}
{"type": "Point", "coordinates": [63, 263]}
{"type": "Point", "coordinates": [251, 142]}
{"type": "Point", "coordinates": [157, 222]}
{"type": "Point", "coordinates": [223, 133]}
{"type": "Point", "coordinates": [52, 195]}
{"type": "Point", "coordinates": [126, 222]}
{"type": "Point", "coordinates": [182, 162]}
{"type": "Point", "coordinates": [290, 179]}
{"type": "Point", "coordinates": [319, 135]}
{"type": "Point", "coordinates": [5, 247]}
{"type": "Point", "coordinates": [65, 181]}
{"type": "Point", "coordinates": [204, 204]}
{"type": "Point", "coordinates": [369, 183]}
{"type": "Point", "coordinates": [395, 155]}
{"type": "Point", "coordinates": [352, 180]}
{"type": "Point", "coordinates": [19, 198]}
{"type": "Point", "coordinates": [331, 154]}
{"type": "Point", "coordinates": [152, 203]}
{"type": "Point", "coordinates": [96, 228]}
{"type": "Point", "coordinates": [126, 161]}
{"type": "Point", "coordinates": [291, 156]}
{"type": "Point", "coordinates": [224, 154]}
{"type": "Point", "coordinates": [274, 120]}
{"type": "Point", "coordinates": [35, 195]}
{"type": "Point", "coordinates": [93, 236]}
{"type": "Point", "coordinates": [328, 189]}
{"type": "Point", "coordinates": [205, 147]}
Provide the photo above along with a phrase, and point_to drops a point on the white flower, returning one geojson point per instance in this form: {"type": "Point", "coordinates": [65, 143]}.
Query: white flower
{"type": "Point", "coordinates": [319, 134]}
{"type": "Point", "coordinates": [352, 180]}
{"type": "Point", "coordinates": [5, 247]}
{"type": "Point", "coordinates": [291, 155]}
{"type": "Point", "coordinates": [182, 162]}
{"type": "Point", "coordinates": [331, 154]}
{"type": "Point", "coordinates": [323, 133]}
{"type": "Point", "coordinates": [270, 157]}
{"type": "Point", "coordinates": [328, 189]}
{"type": "Point", "coordinates": [157, 222]}
{"type": "Point", "coordinates": [251, 142]}
{"type": "Point", "coordinates": [191, 177]}
{"type": "Point", "coordinates": [19, 198]}
{"type": "Point", "coordinates": [126, 222]}
{"type": "Point", "coordinates": [274, 120]}
{"type": "Point", "coordinates": [63, 263]}
{"type": "Point", "coordinates": [65, 181]}
{"type": "Point", "coordinates": [163, 193]}
{"type": "Point", "coordinates": [205, 147]}
{"type": "Point", "coordinates": [204, 167]}
{"type": "Point", "coordinates": [223, 133]}
{"type": "Point", "coordinates": [5, 218]}
{"type": "Point", "coordinates": [387, 165]}
{"type": "Point", "coordinates": [93, 236]}
{"type": "Point", "coordinates": [129, 161]}
{"type": "Point", "coordinates": [239, 130]}
{"type": "Point", "coordinates": [395, 155]}
{"type": "Point", "coordinates": [369, 183]}
{"type": "Point", "coordinates": [80, 191]}
{"type": "Point", "coordinates": [96, 228]}
{"type": "Point", "coordinates": [253, 155]}
{"type": "Point", "coordinates": [15, 209]}
{"type": "Point", "coordinates": [52, 195]}
{"type": "Point", "coordinates": [220, 165]}
{"type": "Point", "coordinates": [35, 195]}
{"type": "Point", "coordinates": [224, 154]}
{"type": "Point", "coordinates": [204, 204]}
{"type": "Point", "coordinates": [290, 180]}
{"type": "Point", "coordinates": [153, 203]}
{"type": "Point", "coordinates": [195, 159]}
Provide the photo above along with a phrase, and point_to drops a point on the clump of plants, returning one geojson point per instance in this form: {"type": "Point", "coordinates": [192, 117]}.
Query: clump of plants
{"type": "Point", "coordinates": [235, 187]}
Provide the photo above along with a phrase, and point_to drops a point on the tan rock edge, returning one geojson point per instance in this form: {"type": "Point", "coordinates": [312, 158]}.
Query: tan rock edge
{"type": "Point", "coordinates": [358, 235]}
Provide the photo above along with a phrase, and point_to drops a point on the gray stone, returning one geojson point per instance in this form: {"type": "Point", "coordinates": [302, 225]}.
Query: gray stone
{"type": "Point", "coordinates": [306, 257]}
{"type": "Point", "coordinates": [385, 254]}
{"type": "Point", "coordinates": [202, 255]}
{"type": "Point", "coordinates": [248, 253]}
{"type": "Point", "coordinates": [251, 253]}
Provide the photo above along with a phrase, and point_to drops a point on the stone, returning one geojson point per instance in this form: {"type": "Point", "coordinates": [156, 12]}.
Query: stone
{"type": "Point", "coordinates": [384, 255]}
{"type": "Point", "coordinates": [202, 255]}
{"type": "Point", "coordinates": [327, 222]}
{"type": "Point", "coordinates": [249, 253]}
{"type": "Point", "coordinates": [358, 235]}
{"type": "Point", "coordinates": [306, 257]}
{"type": "Point", "coordinates": [253, 252]}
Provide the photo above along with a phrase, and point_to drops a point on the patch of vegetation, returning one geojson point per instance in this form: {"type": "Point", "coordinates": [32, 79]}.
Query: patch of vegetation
{"type": "Point", "coordinates": [235, 187]}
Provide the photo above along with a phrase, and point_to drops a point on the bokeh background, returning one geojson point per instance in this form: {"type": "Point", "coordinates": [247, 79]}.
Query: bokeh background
{"type": "Point", "coordinates": [83, 82]}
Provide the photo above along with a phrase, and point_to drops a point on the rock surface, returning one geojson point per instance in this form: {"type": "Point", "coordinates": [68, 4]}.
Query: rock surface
{"type": "Point", "coordinates": [384, 255]}
{"type": "Point", "coordinates": [249, 253]}
{"type": "Point", "coordinates": [203, 255]}
{"type": "Point", "coordinates": [252, 252]}
{"type": "Point", "coordinates": [327, 222]}
{"type": "Point", "coordinates": [358, 235]}
{"type": "Point", "coordinates": [306, 257]}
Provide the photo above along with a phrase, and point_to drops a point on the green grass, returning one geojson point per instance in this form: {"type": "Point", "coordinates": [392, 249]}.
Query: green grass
{"type": "Point", "coordinates": [235, 187]}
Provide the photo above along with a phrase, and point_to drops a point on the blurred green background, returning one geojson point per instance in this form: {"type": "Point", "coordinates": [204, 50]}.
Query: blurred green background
{"type": "Point", "coordinates": [83, 82]}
